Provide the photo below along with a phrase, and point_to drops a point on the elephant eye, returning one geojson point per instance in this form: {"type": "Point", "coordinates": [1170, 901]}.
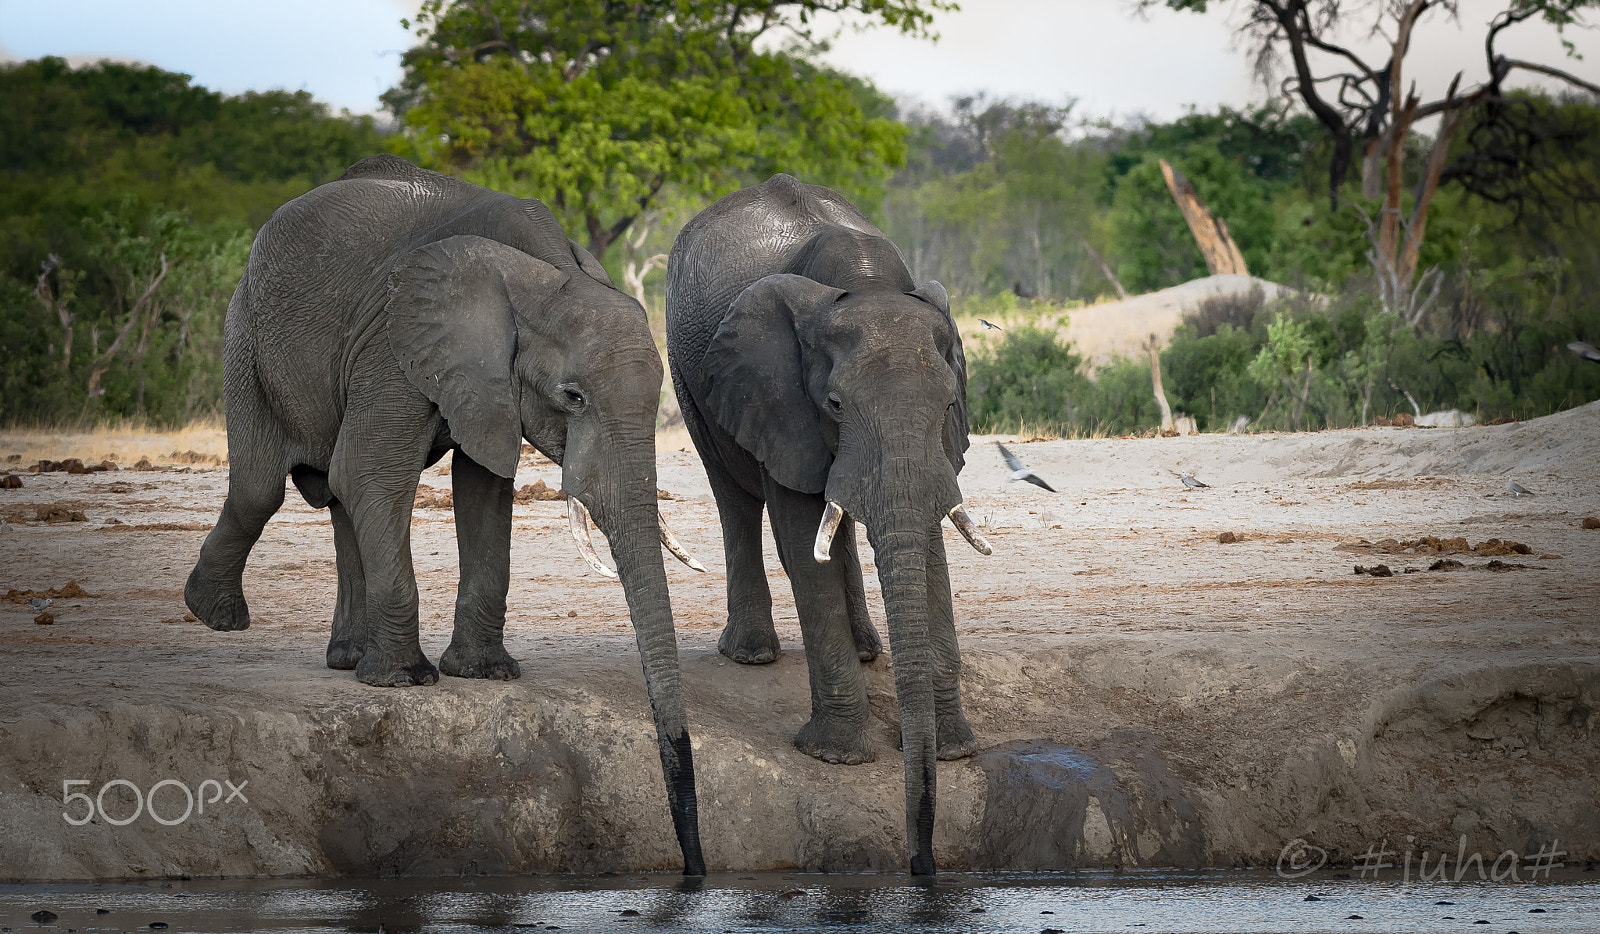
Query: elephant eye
{"type": "Point", "coordinates": [573, 395]}
{"type": "Point", "coordinates": [834, 402]}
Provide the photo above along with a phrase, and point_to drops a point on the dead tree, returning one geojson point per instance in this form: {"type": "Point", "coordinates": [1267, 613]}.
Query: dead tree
{"type": "Point", "coordinates": [1210, 233]}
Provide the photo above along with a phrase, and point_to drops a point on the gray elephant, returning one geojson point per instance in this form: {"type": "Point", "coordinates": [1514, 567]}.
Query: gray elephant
{"type": "Point", "coordinates": [394, 315]}
{"type": "Point", "coordinates": [818, 379]}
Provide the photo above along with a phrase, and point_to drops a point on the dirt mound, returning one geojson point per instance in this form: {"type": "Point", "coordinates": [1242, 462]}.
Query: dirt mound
{"type": "Point", "coordinates": [1433, 545]}
{"type": "Point", "coordinates": [195, 457]}
{"type": "Point", "coordinates": [430, 498]}
{"type": "Point", "coordinates": [10, 482]}
{"type": "Point", "coordinates": [68, 591]}
{"type": "Point", "coordinates": [117, 525]}
{"type": "Point", "coordinates": [537, 492]}
{"type": "Point", "coordinates": [43, 512]}
{"type": "Point", "coordinates": [71, 465]}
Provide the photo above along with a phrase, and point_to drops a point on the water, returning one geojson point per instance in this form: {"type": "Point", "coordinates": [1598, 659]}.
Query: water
{"type": "Point", "coordinates": [1210, 902]}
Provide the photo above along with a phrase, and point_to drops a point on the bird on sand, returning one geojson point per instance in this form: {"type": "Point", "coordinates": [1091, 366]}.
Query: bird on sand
{"type": "Point", "coordinates": [1193, 484]}
{"type": "Point", "coordinates": [1517, 489]}
{"type": "Point", "coordinates": [1586, 351]}
{"type": "Point", "coordinates": [1019, 472]}
{"type": "Point", "coordinates": [39, 603]}
{"type": "Point", "coordinates": [988, 326]}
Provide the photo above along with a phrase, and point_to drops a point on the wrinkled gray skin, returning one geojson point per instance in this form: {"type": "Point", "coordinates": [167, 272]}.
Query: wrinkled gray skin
{"type": "Point", "coordinates": [397, 314]}
{"type": "Point", "coordinates": [810, 368]}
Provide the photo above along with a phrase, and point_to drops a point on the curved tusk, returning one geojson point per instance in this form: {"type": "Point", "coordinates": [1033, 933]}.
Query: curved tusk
{"type": "Point", "coordinates": [671, 541]}
{"type": "Point", "coordinates": [578, 525]}
{"type": "Point", "coordinates": [831, 517]}
{"type": "Point", "coordinates": [963, 524]}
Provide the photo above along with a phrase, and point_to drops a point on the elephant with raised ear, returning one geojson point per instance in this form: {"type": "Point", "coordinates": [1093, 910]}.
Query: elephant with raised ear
{"type": "Point", "coordinates": [397, 314]}
{"type": "Point", "coordinates": [817, 379]}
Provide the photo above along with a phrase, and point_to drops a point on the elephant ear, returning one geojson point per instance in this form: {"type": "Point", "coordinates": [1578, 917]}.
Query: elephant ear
{"type": "Point", "coordinates": [452, 330]}
{"type": "Point", "coordinates": [956, 426]}
{"type": "Point", "coordinates": [590, 265]}
{"type": "Point", "coordinates": [755, 380]}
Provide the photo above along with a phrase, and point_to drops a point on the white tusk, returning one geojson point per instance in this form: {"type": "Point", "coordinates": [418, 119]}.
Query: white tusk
{"type": "Point", "coordinates": [578, 524]}
{"type": "Point", "coordinates": [963, 524]}
{"type": "Point", "coordinates": [669, 540]}
{"type": "Point", "coordinates": [831, 517]}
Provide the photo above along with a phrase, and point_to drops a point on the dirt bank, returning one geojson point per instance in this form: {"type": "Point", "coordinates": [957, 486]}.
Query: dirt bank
{"type": "Point", "coordinates": [1144, 695]}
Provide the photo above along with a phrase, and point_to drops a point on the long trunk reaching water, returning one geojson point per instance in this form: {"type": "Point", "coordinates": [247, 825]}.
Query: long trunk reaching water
{"type": "Point", "coordinates": [902, 570]}
{"type": "Point", "coordinates": [633, 530]}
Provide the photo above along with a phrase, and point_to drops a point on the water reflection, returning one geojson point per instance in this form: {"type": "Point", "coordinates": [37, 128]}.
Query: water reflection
{"type": "Point", "coordinates": [1218, 902]}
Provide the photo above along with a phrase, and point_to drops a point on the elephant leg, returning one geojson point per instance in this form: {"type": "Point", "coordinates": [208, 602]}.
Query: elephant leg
{"type": "Point", "coordinates": [749, 638]}
{"type": "Point", "coordinates": [837, 729]}
{"type": "Point", "coordinates": [868, 645]}
{"type": "Point", "coordinates": [349, 639]}
{"type": "Point", "coordinates": [375, 477]}
{"type": "Point", "coordinates": [955, 739]}
{"type": "Point", "coordinates": [483, 541]}
{"type": "Point", "coordinates": [214, 591]}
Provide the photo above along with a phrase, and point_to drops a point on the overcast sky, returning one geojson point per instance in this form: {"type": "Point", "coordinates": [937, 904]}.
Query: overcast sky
{"type": "Point", "coordinates": [1098, 52]}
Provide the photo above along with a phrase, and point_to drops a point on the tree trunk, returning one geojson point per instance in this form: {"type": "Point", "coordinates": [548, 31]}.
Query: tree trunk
{"type": "Point", "coordinates": [1105, 268]}
{"type": "Point", "coordinates": [1154, 348]}
{"type": "Point", "coordinates": [1210, 233]}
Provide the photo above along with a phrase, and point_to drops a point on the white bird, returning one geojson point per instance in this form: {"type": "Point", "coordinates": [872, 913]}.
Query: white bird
{"type": "Point", "coordinates": [39, 603]}
{"type": "Point", "coordinates": [1517, 489]}
{"type": "Point", "coordinates": [1193, 484]}
{"type": "Point", "coordinates": [987, 326]}
{"type": "Point", "coordinates": [1586, 351]}
{"type": "Point", "coordinates": [1019, 472]}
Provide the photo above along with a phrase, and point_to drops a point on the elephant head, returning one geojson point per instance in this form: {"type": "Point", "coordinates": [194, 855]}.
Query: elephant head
{"type": "Point", "coordinates": [860, 396]}
{"type": "Point", "coordinates": [510, 347]}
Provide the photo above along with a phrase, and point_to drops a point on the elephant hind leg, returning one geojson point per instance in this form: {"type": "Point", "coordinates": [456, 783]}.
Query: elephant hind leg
{"type": "Point", "coordinates": [349, 640]}
{"type": "Point", "coordinates": [215, 589]}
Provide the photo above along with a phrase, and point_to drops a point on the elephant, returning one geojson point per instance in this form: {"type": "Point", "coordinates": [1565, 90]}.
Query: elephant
{"type": "Point", "coordinates": [818, 379]}
{"type": "Point", "coordinates": [397, 314]}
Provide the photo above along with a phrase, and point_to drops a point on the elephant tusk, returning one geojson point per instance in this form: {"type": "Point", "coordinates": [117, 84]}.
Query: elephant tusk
{"type": "Point", "coordinates": [963, 524]}
{"type": "Point", "coordinates": [671, 541]}
{"type": "Point", "coordinates": [578, 524]}
{"type": "Point", "coordinates": [831, 517]}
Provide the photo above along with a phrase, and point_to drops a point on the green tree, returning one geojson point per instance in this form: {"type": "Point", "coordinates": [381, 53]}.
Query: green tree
{"type": "Point", "coordinates": [597, 106]}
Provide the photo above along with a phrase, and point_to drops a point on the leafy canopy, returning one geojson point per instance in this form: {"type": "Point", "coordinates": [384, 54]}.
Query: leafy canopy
{"type": "Point", "coordinates": [596, 106]}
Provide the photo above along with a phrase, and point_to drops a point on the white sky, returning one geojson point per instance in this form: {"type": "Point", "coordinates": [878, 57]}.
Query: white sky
{"type": "Point", "coordinates": [347, 52]}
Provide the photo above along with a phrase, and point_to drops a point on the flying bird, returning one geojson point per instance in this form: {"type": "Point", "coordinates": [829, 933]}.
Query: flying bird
{"type": "Point", "coordinates": [1020, 292]}
{"type": "Point", "coordinates": [990, 327]}
{"type": "Point", "coordinates": [1019, 472]}
{"type": "Point", "coordinates": [1586, 351]}
{"type": "Point", "coordinates": [1518, 489]}
{"type": "Point", "coordinates": [39, 603]}
{"type": "Point", "coordinates": [1193, 484]}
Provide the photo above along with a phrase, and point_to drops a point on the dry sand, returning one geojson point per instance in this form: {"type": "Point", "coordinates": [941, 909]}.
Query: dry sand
{"type": "Point", "coordinates": [1143, 695]}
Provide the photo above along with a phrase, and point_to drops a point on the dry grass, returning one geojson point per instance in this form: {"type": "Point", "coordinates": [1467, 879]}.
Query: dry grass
{"type": "Point", "coordinates": [124, 441]}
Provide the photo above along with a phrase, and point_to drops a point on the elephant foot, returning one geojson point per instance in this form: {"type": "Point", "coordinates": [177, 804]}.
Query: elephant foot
{"type": "Point", "coordinates": [462, 660]}
{"type": "Point", "coordinates": [345, 654]}
{"type": "Point", "coordinates": [749, 644]}
{"type": "Point", "coordinates": [836, 741]}
{"type": "Point", "coordinates": [868, 645]}
{"type": "Point", "coordinates": [411, 668]}
{"type": "Point", "coordinates": [222, 609]}
{"type": "Point", "coordinates": [955, 737]}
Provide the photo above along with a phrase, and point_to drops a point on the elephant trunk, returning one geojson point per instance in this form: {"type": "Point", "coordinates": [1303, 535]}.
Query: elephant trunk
{"type": "Point", "coordinates": [624, 507]}
{"type": "Point", "coordinates": [902, 557]}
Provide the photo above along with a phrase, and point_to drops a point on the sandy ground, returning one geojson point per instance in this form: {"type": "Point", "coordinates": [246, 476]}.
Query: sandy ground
{"type": "Point", "coordinates": [1143, 694]}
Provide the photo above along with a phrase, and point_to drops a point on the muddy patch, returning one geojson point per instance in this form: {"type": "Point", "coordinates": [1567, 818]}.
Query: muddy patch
{"type": "Point", "coordinates": [1434, 545]}
{"type": "Point", "coordinates": [50, 513]}
{"type": "Point", "coordinates": [69, 591]}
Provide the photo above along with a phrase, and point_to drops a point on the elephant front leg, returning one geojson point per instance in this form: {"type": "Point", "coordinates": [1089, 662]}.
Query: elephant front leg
{"type": "Point", "coordinates": [377, 482]}
{"type": "Point", "coordinates": [865, 635]}
{"type": "Point", "coordinates": [954, 733]}
{"type": "Point", "coordinates": [837, 731]}
{"type": "Point", "coordinates": [349, 640]}
{"type": "Point", "coordinates": [749, 638]}
{"type": "Point", "coordinates": [483, 540]}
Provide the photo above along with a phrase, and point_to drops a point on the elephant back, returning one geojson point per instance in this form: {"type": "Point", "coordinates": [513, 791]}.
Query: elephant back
{"type": "Point", "coordinates": [745, 236]}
